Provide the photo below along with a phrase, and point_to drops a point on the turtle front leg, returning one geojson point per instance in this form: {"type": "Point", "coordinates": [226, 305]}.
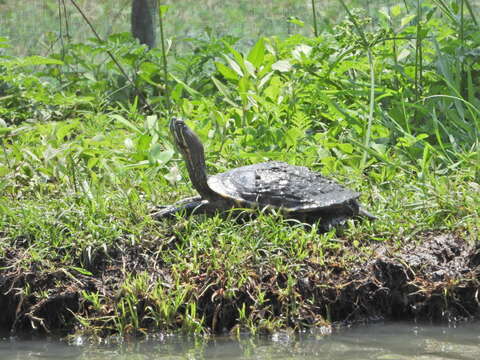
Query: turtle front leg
{"type": "Point", "coordinates": [186, 207]}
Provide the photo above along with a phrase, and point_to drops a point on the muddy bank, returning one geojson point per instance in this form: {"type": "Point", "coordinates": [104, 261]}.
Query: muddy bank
{"type": "Point", "coordinates": [435, 276]}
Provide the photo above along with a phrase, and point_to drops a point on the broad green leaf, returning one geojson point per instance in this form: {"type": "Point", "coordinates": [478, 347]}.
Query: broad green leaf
{"type": "Point", "coordinates": [257, 53]}
{"type": "Point", "coordinates": [234, 66]}
{"type": "Point", "coordinates": [346, 148]}
{"type": "Point", "coordinates": [238, 57]}
{"type": "Point", "coordinates": [227, 73]}
{"type": "Point", "coordinates": [155, 151]}
{"type": "Point", "coordinates": [157, 156]}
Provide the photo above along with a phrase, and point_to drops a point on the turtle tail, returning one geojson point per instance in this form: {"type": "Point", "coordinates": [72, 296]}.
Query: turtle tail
{"type": "Point", "coordinates": [365, 213]}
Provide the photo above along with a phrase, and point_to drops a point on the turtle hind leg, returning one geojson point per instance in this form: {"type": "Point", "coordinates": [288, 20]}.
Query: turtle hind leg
{"type": "Point", "coordinates": [184, 207]}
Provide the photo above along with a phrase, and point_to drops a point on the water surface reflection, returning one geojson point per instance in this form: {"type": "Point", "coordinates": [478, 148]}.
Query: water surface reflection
{"type": "Point", "coordinates": [380, 341]}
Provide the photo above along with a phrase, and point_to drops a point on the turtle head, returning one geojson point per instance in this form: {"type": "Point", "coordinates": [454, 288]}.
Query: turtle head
{"type": "Point", "coordinates": [186, 141]}
{"type": "Point", "coordinates": [191, 148]}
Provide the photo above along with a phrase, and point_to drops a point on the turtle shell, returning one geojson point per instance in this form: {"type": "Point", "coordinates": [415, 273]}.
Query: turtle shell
{"type": "Point", "coordinates": [281, 185]}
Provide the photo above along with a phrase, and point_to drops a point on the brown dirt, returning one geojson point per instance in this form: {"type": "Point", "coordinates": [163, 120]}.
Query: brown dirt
{"type": "Point", "coordinates": [435, 278]}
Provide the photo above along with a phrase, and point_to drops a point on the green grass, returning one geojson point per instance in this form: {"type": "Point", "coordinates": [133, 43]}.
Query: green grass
{"type": "Point", "coordinates": [387, 109]}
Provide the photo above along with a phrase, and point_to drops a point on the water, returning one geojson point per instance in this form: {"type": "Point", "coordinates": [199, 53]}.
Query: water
{"type": "Point", "coordinates": [382, 341]}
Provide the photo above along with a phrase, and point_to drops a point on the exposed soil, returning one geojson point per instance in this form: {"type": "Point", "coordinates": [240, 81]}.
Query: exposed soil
{"type": "Point", "coordinates": [434, 278]}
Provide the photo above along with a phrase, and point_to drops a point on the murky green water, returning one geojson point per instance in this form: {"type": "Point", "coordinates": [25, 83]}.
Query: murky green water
{"type": "Point", "coordinates": [385, 341]}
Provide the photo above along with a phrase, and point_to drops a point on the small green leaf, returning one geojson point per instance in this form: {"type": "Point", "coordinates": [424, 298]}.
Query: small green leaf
{"type": "Point", "coordinates": [92, 162]}
{"type": "Point", "coordinates": [81, 270]}
{"type": "Point", "coordinates": [403, 54]}
{"type": "Point", "coordinates": [455, 7]}
{"type": "Point", "coordinates": [296, 21]}
{"type": "Point", "coordinates": [189, 89]}
{"type": "Point", "coordinates": [64, 129]}
{"type": "Point", "coordinates": [396, 10]}
{"type": "Point", "coordinates": [143, 143]}
{"type": "Point", "coordinates": [173, 175]}
{"type": "Point", "coordinates": [250, 68]}
{"type": "Point", "coordinates": [301, 51]}
{"type": "Point", "coordinates": [151, 123]}
{"type": "Point", "coordinates": [282, 66]}
{"type": "Point", "coordinates": [163, 9]}
{"type": "Point", "coordinates": [407, 19]}
{"type": "Point", "coordinates": [243, 85]}
{"type": "Point", "coordinates": [177, 92]}
{"type": "Point", "coordinates": [430, 13]}
{"type": "Point", "coordinates": [5, 130]}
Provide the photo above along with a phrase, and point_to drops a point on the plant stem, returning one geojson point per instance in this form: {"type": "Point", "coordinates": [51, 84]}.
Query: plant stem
{"type": "Point", "coordinates": [164, 58]}
{"type": "Point", "coordinates": [368, 130]}
{"type": "Point", "coordinates": [418, 53]}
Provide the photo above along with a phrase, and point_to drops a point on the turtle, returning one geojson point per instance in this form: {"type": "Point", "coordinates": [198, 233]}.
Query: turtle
{"type": "Point", "coordinates": [298, 192]}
